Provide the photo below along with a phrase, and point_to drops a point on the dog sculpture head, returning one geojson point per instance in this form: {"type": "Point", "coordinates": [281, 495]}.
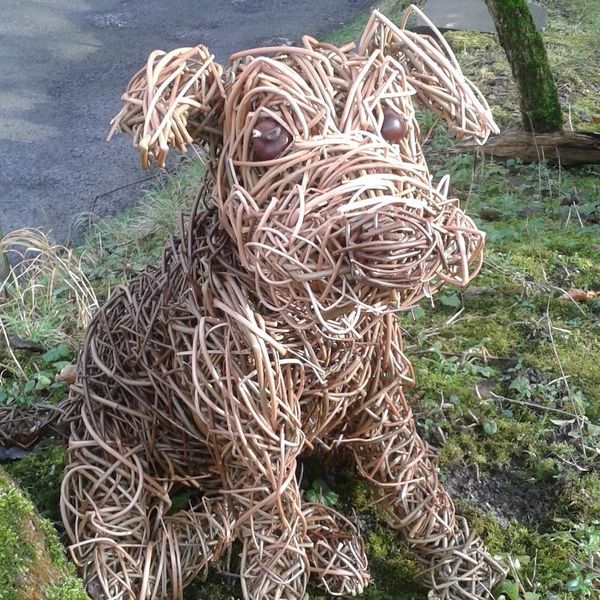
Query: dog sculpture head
{"type": "Point", "coordinates": [317, 168]}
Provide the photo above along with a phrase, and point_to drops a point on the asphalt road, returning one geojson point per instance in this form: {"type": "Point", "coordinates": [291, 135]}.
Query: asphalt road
{"type": "Point", "coordinates": [64, 66]}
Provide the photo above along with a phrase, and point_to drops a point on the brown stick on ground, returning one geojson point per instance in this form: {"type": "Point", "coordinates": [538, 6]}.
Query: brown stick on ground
{"type": "Point", "coordinates": [569, 148]}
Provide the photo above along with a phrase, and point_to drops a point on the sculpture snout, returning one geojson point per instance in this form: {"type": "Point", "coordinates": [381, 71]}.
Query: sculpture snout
{"type": "Point", "coordinates": [401, 233]}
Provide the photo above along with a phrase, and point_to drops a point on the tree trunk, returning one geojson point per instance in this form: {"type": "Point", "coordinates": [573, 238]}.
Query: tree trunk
{"type": "Point", "coordinates": [526, 53]}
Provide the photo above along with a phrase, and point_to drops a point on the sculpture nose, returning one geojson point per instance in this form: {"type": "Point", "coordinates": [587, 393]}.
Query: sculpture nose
{"type": "Point", "coordinates": [410, 237]}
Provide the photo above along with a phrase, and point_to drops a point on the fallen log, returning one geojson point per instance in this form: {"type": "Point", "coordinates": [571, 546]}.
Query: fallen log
{"type": "Point", "coordinates": [565, 147]}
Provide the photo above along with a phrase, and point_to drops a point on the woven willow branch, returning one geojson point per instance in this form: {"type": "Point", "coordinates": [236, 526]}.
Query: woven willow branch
{"type": "Point", "coordinates": [268, 331]}
{"type": "Point", "coordinates": [433, 71]}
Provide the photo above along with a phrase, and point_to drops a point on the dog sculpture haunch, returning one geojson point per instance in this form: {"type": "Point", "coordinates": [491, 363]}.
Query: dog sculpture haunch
{"type": "Point", "coordinates": [268, 332]}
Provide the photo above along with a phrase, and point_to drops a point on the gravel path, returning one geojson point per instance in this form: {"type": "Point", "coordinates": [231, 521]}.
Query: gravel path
{"type": "Point", "coordinates": [65, 64]}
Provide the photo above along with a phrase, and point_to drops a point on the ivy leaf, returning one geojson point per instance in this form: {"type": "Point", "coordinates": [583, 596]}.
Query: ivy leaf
{"type": "Point", "coordinates": [485, 371]}
{"type": "Point", "coordinates": [330, 498]}
{"type": "Point", "coordinates": [60, 365]}
{"type": "Point", "coordinates": [319, 485]}
{"type": "Point", "coordinates": [311, 495]}
{"type": "Point", "coordinates": [593, 429]}
{"type": "Point", "coordinates": [574, 585]}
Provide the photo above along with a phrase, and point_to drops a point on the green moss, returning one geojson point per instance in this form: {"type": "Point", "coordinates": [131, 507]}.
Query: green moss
{"type": "Point", "coordinates": [452, 453]}
{"type": "Point", "coordinates": [515, 538]}
{"type": "Point", "coordinates": [16, 552]}
{"type": "Point", "coordinates": [394, 571]}
{"type": "Point", "coordinates": [497, 335]}
{"type": "Point", "coordinates": [33, 564]}
{"type": "Point", "coordinates": [355, 492]}
{"type": "Point", "coordinates": [70, 588]}
{"type": "Point", "coordinates": [40, 475]}
{"type": "Point", "coordinates": [581, 498]}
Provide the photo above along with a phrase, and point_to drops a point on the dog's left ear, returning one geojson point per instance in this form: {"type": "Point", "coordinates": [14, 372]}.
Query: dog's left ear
{"type": "Point", "coordinates": [176, 99]}
{"type": "Point", "coordinates": [432, 69]}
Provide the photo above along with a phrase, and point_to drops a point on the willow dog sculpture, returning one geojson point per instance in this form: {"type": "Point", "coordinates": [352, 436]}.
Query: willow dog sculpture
{"type": "Point", "coordinates": [268, 331]}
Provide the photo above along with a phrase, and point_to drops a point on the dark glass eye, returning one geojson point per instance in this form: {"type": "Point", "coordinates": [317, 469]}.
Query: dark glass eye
{"type": "Point", "coordinates": [394, 127]}
{"type": "Point", "coordinates": [269, 139]}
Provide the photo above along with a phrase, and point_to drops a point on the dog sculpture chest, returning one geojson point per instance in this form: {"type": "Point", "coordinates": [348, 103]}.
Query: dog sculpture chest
{"type": "Point", "coordinates": [268, 331]}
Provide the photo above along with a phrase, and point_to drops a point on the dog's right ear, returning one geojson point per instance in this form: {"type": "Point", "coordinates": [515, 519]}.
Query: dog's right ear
{"type": "Point", "coordinates": [175, 100]}
{"type": "Point", "coordinates": [432, 71]}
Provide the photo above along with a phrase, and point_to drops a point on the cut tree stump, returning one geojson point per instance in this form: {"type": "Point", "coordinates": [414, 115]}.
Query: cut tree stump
{"type": "Point", "coordinates": [565, 147]}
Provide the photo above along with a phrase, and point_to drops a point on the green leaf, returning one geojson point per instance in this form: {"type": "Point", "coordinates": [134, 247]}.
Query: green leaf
{"type": "Point", "coordinates": [311, 495]}
{"type": "Point", "coordinates": [510, 589]}
{"type": "Point", "coordinates": [29, 386]}
{"type": "Point", "coordinates": [330, 498]}
{"type": "Point", "coordinates": [60, 352]}
{"type": "Point", "coordinates": [485, 371]}
{"type": "Point", "coordinates": [489, 427]}
{"type": "Point", "coordinates": [521, 384]}
{"type": "Point", "coordinates": [574, 585]}
{"type": "Point", "coordinates": [417, 312]}
{"type": "Point", "coordinates": [60, 365]}
{"type": "Point", "coordinates": [43, 381]}
{"type": "Point", "coordinates": [593, 429]}
{"type": "Point", "coordinates": [3, 396]}
{"type": "Point", "coordinates": [451, 300]}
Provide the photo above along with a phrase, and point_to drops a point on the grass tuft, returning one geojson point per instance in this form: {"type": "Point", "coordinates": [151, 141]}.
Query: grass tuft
{"type": "Point", "coordinates": [45, 296]}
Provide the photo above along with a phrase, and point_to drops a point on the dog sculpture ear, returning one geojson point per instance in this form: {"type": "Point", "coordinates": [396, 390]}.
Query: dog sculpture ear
{"type": "Point", "coordinates": [175, 100]}
{"type": "Point", "coordinates": [433, 71]}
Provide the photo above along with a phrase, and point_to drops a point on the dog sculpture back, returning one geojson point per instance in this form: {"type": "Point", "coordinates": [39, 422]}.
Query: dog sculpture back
{"type": "Point", "coordinates": [268, 331]}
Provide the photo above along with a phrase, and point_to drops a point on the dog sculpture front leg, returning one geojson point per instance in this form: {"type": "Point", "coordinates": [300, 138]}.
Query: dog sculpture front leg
{"type": "Point", "coordinates": [247, 395]}
{"type": "Point", "coordinates": [392, 456]}
{"type": "Point", "coordinates": [116, 494]}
